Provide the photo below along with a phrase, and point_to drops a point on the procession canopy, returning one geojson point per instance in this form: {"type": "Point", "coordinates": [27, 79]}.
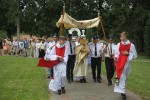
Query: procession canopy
{"type": "Point", "coordinates": [70, 22]}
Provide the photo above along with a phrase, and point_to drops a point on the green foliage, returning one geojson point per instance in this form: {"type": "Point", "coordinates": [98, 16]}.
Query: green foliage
{"type": "Point", "coordinates": [147, 37]}
{"type": "Point", "coordinates": [3, 34]}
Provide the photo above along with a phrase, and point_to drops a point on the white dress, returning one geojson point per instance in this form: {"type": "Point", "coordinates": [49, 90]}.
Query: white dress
{"type": "Point", "coordinates": [127, 68]}
{"type": "Point", "coordinates": [37, 49]}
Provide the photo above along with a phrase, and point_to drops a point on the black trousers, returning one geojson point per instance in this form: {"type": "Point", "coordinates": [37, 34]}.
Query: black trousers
{"type": "Point", "coordinates": [41, 53]}
{"type": "Point", "coordinates": [110, 68]}
{"type": "Point", "coordinates": [70, 67]}
{"type": "Point", "coordinates": [96, 65]}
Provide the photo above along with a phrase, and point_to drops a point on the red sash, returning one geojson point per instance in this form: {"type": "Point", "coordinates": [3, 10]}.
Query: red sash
{"type": "Point", "coordinates": [52, 63]}
{"type": "Point", "coordinates": [122, 59]}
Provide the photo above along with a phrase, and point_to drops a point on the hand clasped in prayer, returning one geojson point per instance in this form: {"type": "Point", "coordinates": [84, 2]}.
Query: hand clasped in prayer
{"type": "Point", "coordinates": [60, 58]}
{"type": "Point", "coordinates": [125, 53]}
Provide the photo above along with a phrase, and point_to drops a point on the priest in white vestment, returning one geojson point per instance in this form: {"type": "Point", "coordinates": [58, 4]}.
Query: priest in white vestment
{"type": "Point", "coordinates": [82, 51]}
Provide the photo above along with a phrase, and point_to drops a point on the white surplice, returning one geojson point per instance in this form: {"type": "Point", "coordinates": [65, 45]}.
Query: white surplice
{"type": "Point", "coordinates": [59, 70]}
{"type": "Point", "coordinates": [127, 68]}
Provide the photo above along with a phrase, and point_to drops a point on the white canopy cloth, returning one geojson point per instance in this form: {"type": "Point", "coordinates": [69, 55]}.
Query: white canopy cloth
{"type": "Point", "coordinates": [70, 22]}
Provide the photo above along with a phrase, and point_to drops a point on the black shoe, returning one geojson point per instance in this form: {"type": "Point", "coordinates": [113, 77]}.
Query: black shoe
{"type": "Point", "coordinates": [59, 92]}
{"type": "Point", "coordinates": [110, 83]}
{"type": "Point", "coordinates": [123, 96]}
{"type": "Point", "coordinates": [94, 80]}
{"type": "Point", "coordinates": [81, 80]}
{"type": "Point", "coordinates": [117, 81]}
{"type": "Point", "coordinates": [48, 77]}
{"type": "Point", "coordinates": [63, 90]}
{"type": "Point", "coordinates": [84, 80]}
{"type": "Point", "coordinates": [69, 81]}
{"type": "Point", "coordinates": [99, 81]}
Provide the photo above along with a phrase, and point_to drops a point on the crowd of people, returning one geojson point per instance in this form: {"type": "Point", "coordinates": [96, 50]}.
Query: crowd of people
{"type": "Point", "coordinates": [8, 47]}
{"type": "Point", "coordinates": [70, 59]}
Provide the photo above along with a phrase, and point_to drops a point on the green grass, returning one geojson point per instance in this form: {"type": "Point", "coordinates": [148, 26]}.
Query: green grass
{"type": "Point", "coordinates": [139, 78]}
{"type": "Point", "coordinates": [20, 79]}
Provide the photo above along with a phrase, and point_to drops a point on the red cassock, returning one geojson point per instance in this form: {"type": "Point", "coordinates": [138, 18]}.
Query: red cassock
{"type": "Point", "coordinates": [51, 63]}
{"type": "Point", "coordinates": [122, 59]}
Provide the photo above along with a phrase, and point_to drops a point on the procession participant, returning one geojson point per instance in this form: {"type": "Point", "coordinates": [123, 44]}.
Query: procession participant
{"type": "Point", "coordinates": [125, 52]}
{"type": "Point", "coordinates": [51, 45]}
{"type": "Point", "coordinates": [37, 45]}
{"type": "Point", "coordinates": [9, 46]}
{"type": "Point", "coordinates": [81, 63]}
{"type": "Point", "coordinates": [109, 51]}
{"type": "Point", "coordinates": [89, 56]}
{"type": "Point", "coordinates": [32, 48]}
{"type": "Point", "coordinates": [15, 44]}
{"type": "Point", "coordinates": [59, 51]}
{"type": "Point", "coordinates": [47, 54]}
{"type": "Point", "coordinates": [1, 47]}
{"type": "Point", "coordinates": [5, 48]}
{"type": "Point", "coordinates": [21, 46]}
{"type": "Point", "coordinates": [71, 58]}
{"type": "Point", "coordinates": [42, 49]}
{"type": "Point", "coordinates": [96, 53]}
{"type": "Point", "coordinates": [25, 42]}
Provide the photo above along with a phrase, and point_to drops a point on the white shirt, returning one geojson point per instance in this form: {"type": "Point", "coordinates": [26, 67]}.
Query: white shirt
{"type": "Point", "coordinates": [42, 46]}
{"type": "Point", "coordinates": [107, 54]}
{"type": "Point", "coordinates": [77, 43]}
{"type": "Point", "coordinates": [33, 44]}
{"type": "Point", "coordinates": [69, 49]}
{"type": "Point", "coordinates": [37, 45]}
{"type": "Point", "coordinates": [15, 43]}
{"type": "Point", "coordinates": [51, 44]}
{"type": "Point", "coordinates": [21, 45]}
{"type": "Point", "coordinates": [99, 47]}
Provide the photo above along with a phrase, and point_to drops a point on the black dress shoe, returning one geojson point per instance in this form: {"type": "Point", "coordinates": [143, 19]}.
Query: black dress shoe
{"type": "Point", "coordinates": [59, 92]}
{"type": "Point", "coordinates": [84, 80]}
{"type": "Point", "coordinates": [99, 81]}
{"type": "Point", "coordinates": [109, 84]}
{"type": "Point", "coordinates": [123, 96]}
{"type": "Point", "coordinates": [48, 77]}
{"type": "Point", "coordinates": [63, 90]}
{"type": "Point", "coordinates": [69, 81]}
{"type": "Point", "coordinates": [81, 80]}
{"type": "Point", "coordinates": [94, 80]}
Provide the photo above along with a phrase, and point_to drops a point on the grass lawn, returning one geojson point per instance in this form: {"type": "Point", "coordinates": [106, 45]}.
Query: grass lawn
{"type": "Point", "coordinates": [139, 78]}
{"type": "Point", "coordinates": [20, 79]}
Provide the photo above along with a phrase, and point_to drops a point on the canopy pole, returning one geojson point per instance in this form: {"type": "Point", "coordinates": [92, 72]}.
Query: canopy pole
{"type": "Point", "coordinates": [98, 24]}
{"type": "Point", "coordinates": [103, 28]}
{"type": "Point", "coordinates": [97, 29]}
{"type": "Point", "coordinates": [61, 25]}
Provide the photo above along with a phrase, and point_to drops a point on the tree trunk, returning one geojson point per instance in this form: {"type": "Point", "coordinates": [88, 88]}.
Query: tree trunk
{"type": "Point", "coordinates": [18, 26]}
{"type": "Point", "coordinates": [9, 35]}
